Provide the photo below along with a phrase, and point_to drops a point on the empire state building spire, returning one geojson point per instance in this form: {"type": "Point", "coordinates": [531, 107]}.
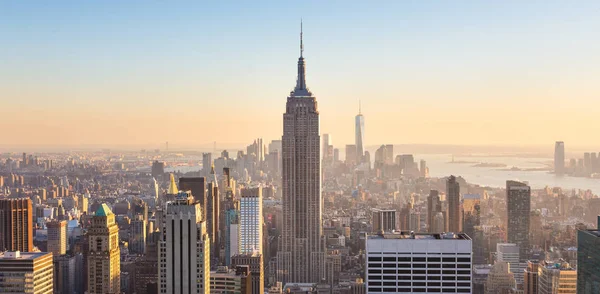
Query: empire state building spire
{"type": "Point", "coordinates": [301, 89]}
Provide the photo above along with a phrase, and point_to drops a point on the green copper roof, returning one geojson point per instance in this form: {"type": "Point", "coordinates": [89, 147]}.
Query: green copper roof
{"type": "Point", "coordinates": [103, 210]}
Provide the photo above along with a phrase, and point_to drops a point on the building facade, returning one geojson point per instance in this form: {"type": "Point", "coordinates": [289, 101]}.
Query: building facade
{"type": "Point", "coordinates": [16, 229]}
{"type": "Point", "coordinates": [26, 272]}
{"type": "Point", "coordinates": [359, 135]}
{"type": "Point", "coordinates": [57, 237]}
{"type": "Point", "coordinates": [588, 261]}
{"type": "Point", "coordinates": [184, 248]}
{"type": "Point", "coordinates": [518, 201]}
{"type": "Point", "coordinates": [454, 212]}
{"type": "Point", "coordinates": [556, 278]}
{"type": "Point", "coordinates": [384, 220]}
{"type": "Point", "coordinates": [559, 158]}
{"type": "Point", "coordinates": [301, 255]}
{"type": "Point", "coordinates": [251, 220]}
{"type": "Point", "coordinates": [411, 262]}
{"type": "Point", "coordinates": [104, 256]}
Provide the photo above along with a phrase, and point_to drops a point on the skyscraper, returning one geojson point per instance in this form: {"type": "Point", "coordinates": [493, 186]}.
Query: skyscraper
{"type": "Point", "coordinates": [454, 211]}
{"type": "Point", "coordinates": [197, 185]}
{"type": "Point", "coordinates": [206, 163]}
{"type": "Point", "coordinates": [184, 248]}
{"type": "Point", "coordinates": [326, 143]}
{"type": "Point", "coordinates": [16, 230]}
{"type": "Point", "coordinates": [434, 206]}
{"type": "Point", "coordinates": [57, 237]}
{"type": "Point", "coordinates": [588, 260]}
{"type": "Point", "coordinates": [26, 272]}
{"type": "Point", "coordinates": [251, 220]}
{"type": "Point", "coordinates": [518, 201]}
{"type": "Point", "coordinates": [384, 220]}
{"type": "Point", "coordinates": [104, 264]}
{"type": "Point", "coordinates": [557, 277]}
{"type": "Point", "coordinates": [418, 263]}
{"type": "Point", "coordinates": [301, 256]}
{"type": "Point", "coordinates": [530, 281]}
{"type": "Point", "coordinates": [359, 135]}
{"type": "Point", "coordinates": [559, 158]}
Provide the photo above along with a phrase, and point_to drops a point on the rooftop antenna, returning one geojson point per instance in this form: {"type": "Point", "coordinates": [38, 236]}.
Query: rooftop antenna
{"type": "Point", "coordinates": [301, 45]}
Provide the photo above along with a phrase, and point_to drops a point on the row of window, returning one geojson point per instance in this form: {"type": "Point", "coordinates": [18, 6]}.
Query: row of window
{"type": "Point", "coordinates": [421, 290]}
{"type": "Point", "coordinates": [430, 275]}
{"type": "Point", "coordinates": [419, 265]}
{"type": "Point", "coordinates": [419, 259]}
{"type": "Point", "coordinates": [420, 284]}
{"type": "Point", "coordinates": [374, 276]}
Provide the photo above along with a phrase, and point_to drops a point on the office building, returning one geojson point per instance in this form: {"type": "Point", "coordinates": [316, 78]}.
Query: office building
{"type": "Point", "coordinates": [557, 277]}
{"type": "Point", "coordinates": [518, 201]}
{"type": "Point", "coordinates": [184, 248]}
{"type": "Point", "coordinates": [384, 220]}
{"type": "Point", "coordinates": [326, 143]}
{"type": "Point", "coordinates": [103, 260]}
{"type": "Point", "coordinates": [251, 220]}
{"type": "Point", "coordinates": [301, 255]}
{"type": "Point", "coordinates": [16, 229]}
{"type": "Point", "coordinates": [509, 253]}
{"type": "Point", "coordinates": [434, 206]}
{"type": "Point", "coordinates": [231, 281]}
{"type": "Point", "coordinates": [471, 213]}
{"type": "Point", "coordinates": [351, 154]}
{"type": "Point", "coordinates": [559, 158]}
{"type": "Point", "coordinates": [64, 274]}
{"type": "Point", "coordinates": [207, 163]}
{"type": "Point", "coordinates": [213, 212]}
{"type": "Point", "coordinates": [137, 235]}
{"type": "Point", "coordinates": [454, 211]}
{"type": "Point", "coordinates": [255, 262]}
{"type": "Point", "coordinates": [158, 169]}
{"type": "Point", "coordinates": [500, 280]}
{"type": "Point", "coordinates": [57, 237]}
{"type": "Point", "coordinates": [197, 185]}
{"type": "Point", "coordinates": [530, 281]}
{"type": "Point", "coordinates": [407, 262]}
{"type": "Point", "coordinates": [359, 135]}
{"type": "Point", "coordinates": [588, 260]}
{"type": "Point", "coordinates": [26, 272]}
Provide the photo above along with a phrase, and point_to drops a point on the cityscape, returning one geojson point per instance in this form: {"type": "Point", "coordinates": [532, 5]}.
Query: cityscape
{"type": "Point", "coordinates": [295, 212]}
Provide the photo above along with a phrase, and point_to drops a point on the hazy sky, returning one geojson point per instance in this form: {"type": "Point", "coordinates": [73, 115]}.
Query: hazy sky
{"type": "Point", "coordinates": [447, 72]}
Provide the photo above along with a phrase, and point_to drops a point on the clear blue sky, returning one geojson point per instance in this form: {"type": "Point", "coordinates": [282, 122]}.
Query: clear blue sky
{"type": "Point", "coordinates": [108, 72]}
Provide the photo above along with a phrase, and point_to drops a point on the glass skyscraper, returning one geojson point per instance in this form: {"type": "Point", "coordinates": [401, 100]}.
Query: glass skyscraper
{"type": "Point", "coordinates": [359, 136]}
{"type": "Point", "coordinates": [588, 261]}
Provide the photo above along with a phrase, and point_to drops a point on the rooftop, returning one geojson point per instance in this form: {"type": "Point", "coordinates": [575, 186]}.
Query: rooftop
{"type": "Point", "coordinates": [103, 210]}
{"type": "Point", "coordinates": [420, 236]}
{"type": "Point", "coordinates": [21, 255]}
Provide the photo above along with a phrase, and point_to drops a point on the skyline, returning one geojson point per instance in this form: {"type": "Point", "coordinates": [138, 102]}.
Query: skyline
{"type": "Point", "coordinates": [133, 72]}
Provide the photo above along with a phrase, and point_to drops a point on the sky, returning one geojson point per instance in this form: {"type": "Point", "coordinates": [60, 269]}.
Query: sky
{"type": "Point", "coordinates": [140, 73]}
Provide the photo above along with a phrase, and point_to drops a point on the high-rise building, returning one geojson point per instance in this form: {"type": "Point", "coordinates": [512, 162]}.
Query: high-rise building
{"type": "Point", "coordinates": [26, 272]}
{"type": "Point", "coordinates": [234, 281]}
{"type": "Point", "coordinates": [530, 281]}
{"type": "Point", "coordinates": [351, 154]}
{"type": "Point", "coordinates": [418, 262]}
{"type": "Point", "coordinates": [557, 277]}
{"type": "Point", "coordinates": [434, 206]}
{"type": "Point", "coordinates": [64, 274]}
{"type": "Point", "coordinates": [103, 261]}
{"type": "Point", "coordinates": [301, 255]}
{"type": "Point", "coordinates": [509, 253]}
{"type": "Point", "coordinates": [251, 220]}
{"type": "Point", "coordinates": [197, 185]}
{"type": "Point", "coordinates": [359, 135]}
{"type": "Point", "coordinates": [255, 262]}
{"type": "Point", "coordinates": [384, 220]}
{"type": "Point", "coordinates": [137, 235]}
{"type": "Point", "coordinates": [16, 229]}
{"type": "Point", "coordinates": [57, 237]}
{"type": "Point", "coordinates": [158, 169]}
{"type": "Point", "coordinates": [559, 158]}
{"type": "Point", "coordinates": [471, 213]}
{"type": "Point", "coordinates": [326, 143]}
{"type": "Point", "coordinates": [588, 260]}
{"type": "Point", "coordinates": [453, 198]}
{"type": "Point", "coordinates": [184, 248]}
{"type": "Point", "coordinates": [207, 163]}
{"type": "Point", "coordinates": [500, 280]}
{"type": "Point", "coordinates": [518, 201]}
{"type": "Point", "coordinates": [213, 212]}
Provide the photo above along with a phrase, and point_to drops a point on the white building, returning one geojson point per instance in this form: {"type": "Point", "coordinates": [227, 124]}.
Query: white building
{"type": "Point", "coordinates": [57, 237]}
{"type": "Point", "coordinates": [509, 253]}
{"type": "Point", "coordinates": [184, 248]}
{"type": "Point", "coordinates": [418, 262]}
{"type": "Point", "coordinates": [251, 220]}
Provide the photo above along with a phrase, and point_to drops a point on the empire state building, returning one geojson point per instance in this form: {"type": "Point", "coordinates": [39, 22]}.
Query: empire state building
{"type": "Point", "coordinates": [301, 256]}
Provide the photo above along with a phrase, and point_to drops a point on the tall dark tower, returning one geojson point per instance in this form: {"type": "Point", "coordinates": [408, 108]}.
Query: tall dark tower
{"type": "Point", "coordinates": [301, 256]}
{"type": "Point", "coordinates": [454, 211]}
{"type": "Point", "coordinates": [518, 202]}
{"type": "Point", "coordinates": [16, 229]}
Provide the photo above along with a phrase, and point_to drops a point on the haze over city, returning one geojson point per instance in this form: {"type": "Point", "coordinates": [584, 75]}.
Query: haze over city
{"type": "Point", "coordinates": [306, 148]}
{"type": "Point", "coordinates": [138, 74]}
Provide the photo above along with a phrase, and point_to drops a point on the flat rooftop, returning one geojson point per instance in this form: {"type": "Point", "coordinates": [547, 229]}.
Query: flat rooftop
{"type": "Point", "coordinates": [420, 236]}
{"type": "Point", "coordinates": [11, 255]}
